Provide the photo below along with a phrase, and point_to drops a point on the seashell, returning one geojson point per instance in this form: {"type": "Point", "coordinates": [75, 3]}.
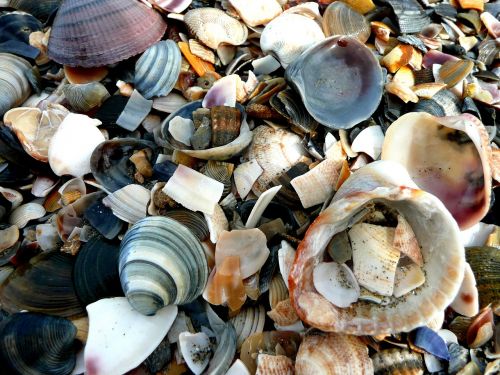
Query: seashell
{"type": "Point", "coordinates": [287, 104]}
{"type": "Point", "coordinates": [196, 350]}
{"type": "Point", "coordinates": [170, 103]}
{"type": "Point", "coordinates": [245, 176]}
{"type": "Point", "coordinates": [192, 220]}
{"type": "Point", "coordinates": [78, 75]}
{"type": "Point", "coordinates": [336, 283]}
{"type": "Point", "coordinates": [286, 255]}
{"type": "Point", "coordinates": [8, 238]}
{"type": "Point", "coordinates": [214, 27]}
{"type": "Point", "coordinates": [327, 59]}
{"type": "Point", "coordinates": [41, 9]}
{"type": "Point", "coordinates": [453, 72]}
{"type": "Point", "coordinates": [17, 27]}
{"type": "Point", "coordinates": [122, 30]}
{"type": "Point", "coordinates": [341, 19]}
{"type": "Point", "coordinates": [181, 130]}
{"type": "Point", "coordinates": [485, 263]}
{"type": "Point", "coordinates": [428, 90]}
{"type": "Point", "coordinates": [120, 338]}
{"type": "Point", "coordinates": [410, 15]}
{"type": "Point", "coordinates": [317, 185]}
{"type": "Point", "coordinates": [12, 199]}
{"type": "Point", "coordinates": [72, 145]}
{"type": "Point", "coordinates": [226, 349]}
{"type": "Point", "coordinates": [491, 23]}
{"type": "Point", "coordinates": [260, 206]}
{"type": "Point", "coordinates": [194, 190]}
{"type": "Point", "coordinates": [226, 122]}
{"type": "Point", "coordinates": [110, 162]}
{"type": "Point", "coordinates": [35, 128]}
{"type": "Point", "coordinates": [428, 340]}
{"type": "Point", "coordinates": [288, 35]}
{"type": "Point", "coordinates": [466, 301]}
{"type": "Point", "coordinates": [72, 190]}
{"type": "Point", "coordinates": [481, 329]}
{"type": "Point", "coordinates": [14, 80]}
{"type": "Point", "coordinates": [403, 92]}
{"type": "Point", "coordinates": [470, 159]}
{"type": "Point", "coordinates": [201, 51]}
{"type": "Point", "coordinates": [157, 70]}
{"type": "Point", "coordinates": [277, 291]}
{"type": "Point", "coordinates": [172, 251]}
{"type": "Point", "coordinates": [223, 92]}
{"type": "Point", "coordinates": [200, 66]}
{"type": "Point", "coordinates": [86, 97]}
{"type": "Point", "coordinates": [23, 214]}
{"type": "Point", "coordinates": [238, 368]}
{"type": "Point", "coordinates": [257, 12]}
{"type": "Point", "coordinates": [95, 275]}
{"type": "Point", "coordinates": [220, 171]}
{"type": "Point", "coordinates": [49, 339]}
{"type": "Point", "coordinates": [283, 314]}
{"type": "Point", "coordinates": [249, 245]}
{"type": "Point", "coordinates": [135, 112]}
{"type": "Point", "coordinates": [270, 342]}
{"type": "Point", "coordinates": [444, 272]}
{"type": "Point", "coordinates": [129, 203]}
{"type": "Point", "coordinates": [471, 4]}
{"type": "Point", "coordinates": [276, 151]}
{"type": "Point", "coordinates": [332, 353]}
{"type": "Point", "coordinates": [217, 223]}
{"type": "Point", "coordinates": [225, 285]}
{"type": "Point", "coordinates": [397, 361]}
{"type": "Point", "coordinates": [175, 6]}
{"type": "Point", "coordinates": [249, 321]}
{"type": "Point", "coordinates": [43, 285]}
{"type": "Point", "coordinates": [361, 6]}
{"type": "Point", "coordinates": [274, 365]}
{"type": "Point", "coordinates": [443, 103]}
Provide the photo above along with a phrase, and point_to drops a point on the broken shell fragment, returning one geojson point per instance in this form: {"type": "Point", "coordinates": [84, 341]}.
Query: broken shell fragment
{"type": "Point", "coordinates": [129, 203]}
{"type": "Point", "coordinates": [196, 351]}
{"type": "Point", "coordinates": [467, 300]}
{"type": "Point", "coordinates": [351, 87]}
{"type": "Point", "coordinates": [257, 12]}
{"type": "Point", "coordinates": [245, 176]}
{"type": "Point", "coordinates": [85, 97]}
{"type": "Point", "coordinates": [23, 214]}
{"type": "Point", "coordinates": [398, 361]}
{"type": "Point", "coordinates": [336, 283]}
{"type": "Point", "coordinates": [274, 365]}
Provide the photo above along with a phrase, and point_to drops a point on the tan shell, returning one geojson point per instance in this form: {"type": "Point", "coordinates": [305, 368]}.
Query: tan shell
{"type": "Point", "coordinates": [341, 19]}
{"type": "Point", "coordinates": [274, 365]}
{"type": "Point", "coordinates": [436, 232]}
{"type": "Point", "coordinates": [214, 27]}
{"type": "Point", "coordinates": [398, 361]}
{"type": "Point", "coordinates": [256, 12]}
{"type": "Point", "coordinates": [331, 354]}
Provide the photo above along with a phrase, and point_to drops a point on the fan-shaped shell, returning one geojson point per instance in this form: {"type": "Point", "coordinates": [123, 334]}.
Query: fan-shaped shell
{"type": "Point", "coordinates": [214, 27]}
{"type": "Point", "coordinates": [341, 19]}
{"type": "Point", "coordinates": [14, 81]}
{"type": "Point", "coordinates": [437, 234]}
{"type": "Point", "coordinates": [340, 81]}
{"type": "Point", "coordinates": [161, 263]}
{"type": "Point", "coordinates": [102, 32]}
{"type": "Point", "coordinates": [157, 70]}
{"type": "Point", "coordinates": [33, 343]}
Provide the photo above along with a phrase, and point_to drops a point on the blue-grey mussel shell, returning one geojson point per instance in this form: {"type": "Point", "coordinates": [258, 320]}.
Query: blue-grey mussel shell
{"type": "Point", "coordinates": [34, 344]}
{"type": "Point", "coordinates": [14, 81]}
{"type": "Point", "coordinates": [17, 26]}
{"type": "Point", "coordinates": [157, 70]}
{"type": "Point", "coordinates": [161, 263]}
{"type": "Point", "coordinates": [95, 274]}
{"type": "Point", "coordinates": [41, 9]}
{"type": "Point", "coordinates": [339, 80]}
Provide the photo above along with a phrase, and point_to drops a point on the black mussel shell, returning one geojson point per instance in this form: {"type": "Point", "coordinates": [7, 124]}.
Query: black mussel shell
{"type": "Point", "coordinates": [17, 26]}
{"type": "Point", "coordinates": [443, 103]}
{"type": "Point", "coordinates": [12, 177]}
{"type": "Point", "coordinates": [268, 270]}
{"type": "Point", "coordinates": [164, 170]}
{"type": "Point", "coordinates": [34, 344]}
{"type": "Point", "coordinates": [110, 162]}
{"type": "Point", "coordinates": [43, 285]}
{"type": "Point", "coordinates": [289, 105]}
{"type": "Point", "coordinates": [95, 275]}
{"type": "Point", "coordinates": [103, 220]}
{"type": "Point", "coordinates": [111, 109]}
{"type": "Point", "coordinates": [273, 211]}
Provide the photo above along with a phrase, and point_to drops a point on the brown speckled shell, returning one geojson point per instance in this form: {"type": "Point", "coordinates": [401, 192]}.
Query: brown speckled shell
{"type": "Point", "coordinates": [91, 33]}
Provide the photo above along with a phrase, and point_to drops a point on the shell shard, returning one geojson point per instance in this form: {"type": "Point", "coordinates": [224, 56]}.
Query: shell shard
{"type": "Point", "coordinates": [336, 283]}
{"type": "Point", "coordinates": [467, 300]}
{"type": "Point", "coordinates": [102, 32]}
{"type": "Point", "coordinates": [120, 338]}
{"type": "Point", "coordinates": [341, 19]}
{"type": "Point", "coordinates": [406, 242]}
{"type": "Point", "coordinates": [437, 234]}
{"type": "Point", "coordinates": [407, 278]}
{"type": "Point", "coordinates": [195, 349]}
{"type": "Point", "coordinates": [161, 263]}
{"type": "Point", "coordinates": [128, 203]}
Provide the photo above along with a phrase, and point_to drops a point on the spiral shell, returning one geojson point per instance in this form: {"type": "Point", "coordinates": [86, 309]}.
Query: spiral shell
{"type": "Point", "coordinates": [157, 70]}
{"type": "Point", "coordinates": [161, 263]}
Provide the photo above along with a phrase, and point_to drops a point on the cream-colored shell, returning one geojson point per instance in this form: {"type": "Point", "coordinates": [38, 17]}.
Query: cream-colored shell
{"type": "Point", "coordinates": [257, 12]}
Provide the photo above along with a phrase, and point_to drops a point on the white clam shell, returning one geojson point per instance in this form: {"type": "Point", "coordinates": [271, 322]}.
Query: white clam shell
{"type": "Point", "coordinates": [182, 129]}
{"type": "Point", "coordinates": [120, 338]}
{"type": "Point", "coordinates": [217, 223]}
{"type": "Point", "coordinates": [129, 203]}
{"type": "Point", "coordinates": [72, 145]}
{"type": "Point", "coordinates": [288, 35]}
{"type": "Point", "coordinates": [407, 278]}
{"type": "Point", "coordinates": [286, 255]}
{"type": "Point", "coordinates": [336, 283]}
{"type": "Point", "coordinates": [26, 212]}
{"type": "Point", "coordinates": [195, 349]}
{"type": "Point", "coordinates": [369, 141]}
{"type": "Point", "coordinates": [257, 12]}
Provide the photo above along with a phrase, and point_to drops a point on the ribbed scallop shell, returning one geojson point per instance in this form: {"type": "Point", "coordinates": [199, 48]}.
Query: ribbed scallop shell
{"type": "Point", "coordinates": [90, 33]}
{"type": "Point", "coordinates": [157, 70]}
{"type": "Point", "coordinates": [331, 353]}
{"type": "Point", "coordinates": [341, 19]}
{"type": "Point", "coordinates": [14, 83]}
{"type": "Point", "coordinates": [435, 229]}
{"type": "Point", "coordinates": [222, 172]}
{"type": "Point", "coordinates": [214, 27]}
{"type": "Point", "coordinates": [161, 263]}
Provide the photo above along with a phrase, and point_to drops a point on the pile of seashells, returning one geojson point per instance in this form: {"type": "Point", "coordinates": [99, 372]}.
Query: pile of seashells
{"type": "Point", "coordinates": [249, 187]}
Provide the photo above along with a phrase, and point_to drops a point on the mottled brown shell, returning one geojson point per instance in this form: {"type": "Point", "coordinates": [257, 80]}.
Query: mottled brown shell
{"type": "Point", "coordinates": [91, 33]}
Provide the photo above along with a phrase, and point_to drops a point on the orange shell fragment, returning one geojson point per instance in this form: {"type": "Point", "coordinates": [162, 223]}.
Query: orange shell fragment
{"type": "Point", "coordinates": [200, 66]}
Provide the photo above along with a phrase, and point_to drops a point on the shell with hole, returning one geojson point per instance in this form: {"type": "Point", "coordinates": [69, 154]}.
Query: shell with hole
{"type": "Point", "coordinates": [449, 157]}
{"type": "Point", "coordinates": [355, 201]}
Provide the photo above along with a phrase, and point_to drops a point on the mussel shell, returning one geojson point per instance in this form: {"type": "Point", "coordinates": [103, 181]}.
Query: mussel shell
{"type": "Point", "coordinates": [95, 274]}
{"type": "Point", "coordinates": [339, 80]}
{"type": "Point", "coordinates": [410, 15]}
{"type": "Point", "coordinates": [103, 219]}
{"type": "Point", "coordinates": [341, 19]}
{"type": "Point", "coordinates": [485, 263]}
{"type": "Point", "coordinates": [158, 68]}
{"type": "Point", "coordinates": [102, 32]}
{"type": "Point", "coordinates": [110, 162]}
{"type": "Point", "coordinates": [14, 81]}
{"type": "Point", "coordinates": [161, 263]}
{"type": "Point", "coordinates": [32, 344]}
{"type": "Point", "coordinates": [17, 26]}
{"type": "Point", "coordinates": [43, 285]}
{"type": "Point", "coordinates": [290, 106]}
{"type": "Point", "coordinates": [443, 103]}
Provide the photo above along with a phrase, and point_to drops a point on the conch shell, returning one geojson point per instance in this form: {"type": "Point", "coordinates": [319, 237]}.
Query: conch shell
{"type": "Point", "coordinates": [387, 183]}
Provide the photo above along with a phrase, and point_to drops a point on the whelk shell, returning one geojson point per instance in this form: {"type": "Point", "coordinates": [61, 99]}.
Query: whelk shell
{"type": "Point", "coordinates": [214, 27]}
{"type": "Point", "coordinates": [444, 272]}
{"type": "Point", "coordinates": [341, 19]}
{"type": "Point", "coordinates": [109, 32]}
